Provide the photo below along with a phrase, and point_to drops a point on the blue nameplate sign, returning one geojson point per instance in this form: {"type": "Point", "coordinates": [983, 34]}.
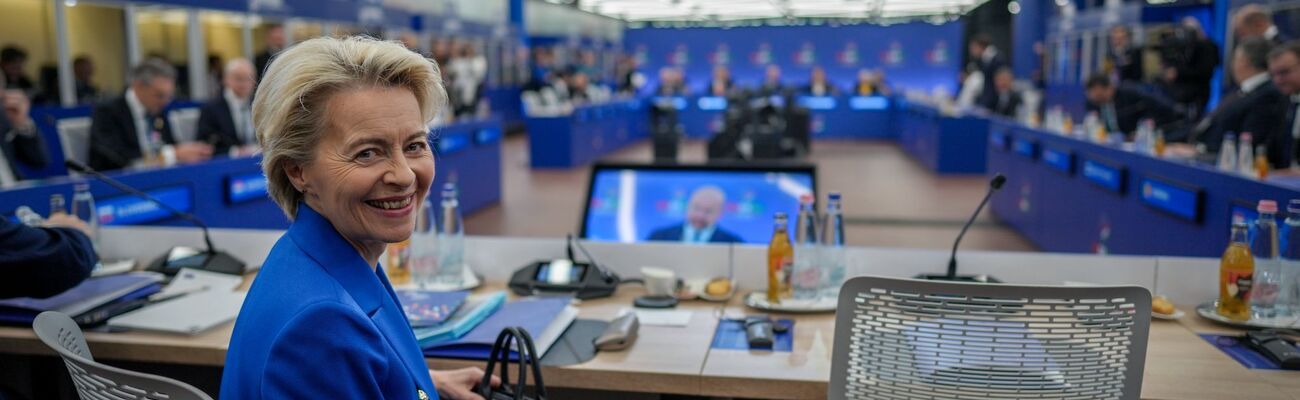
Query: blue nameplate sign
{"type": "Point", "coordinates": [487, 136]}
{"type": "Point", "coordinates": [453, 142]}
{"type": "Point", "coordinates": [1023, 147]}
{"type": "Point", "coordinates": [712, 103]}
{"type": "Point", "coordinates": [998, 139]}
{"type": "Point", "coordinates": [1060, 160]}
{"type": "Point", "coordinates": [244, 187]}
{"type": "Point", "coordinates": [1105, 175]}
{"type": "Point", "coordinates": [818, 102]}
{"type": "Point", "coordinates": [131, 210]}
{"type": "Point", "coordinates": [1177, 199]}
{"type": "Point", "coordinates": [868, 102]}
{"type": "Point", "coordinates": [676, 102]}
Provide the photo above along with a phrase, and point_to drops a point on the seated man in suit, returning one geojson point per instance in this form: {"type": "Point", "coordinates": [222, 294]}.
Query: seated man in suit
{"type": "Point", "coordinates": [133, 129]}
{"type": "Point", "coordinates": [19, 140]}
{"type": "Point", "coordinates": [1006, 99]}
{"type": "Point", "coordinates": [771, 85]}
{"type": "Point", "coordinates": [720, 85]}
{"type": "Point", "coordinates": [818, 85]}
{"type": "Point", "coordinates": [227, 122]}
{"type": "Point", "coordinates": [1122, 106]}
{"type": "Point", "coordinates": [701, 225]}
{"type": "Point", "coordinates": [1257, 107]}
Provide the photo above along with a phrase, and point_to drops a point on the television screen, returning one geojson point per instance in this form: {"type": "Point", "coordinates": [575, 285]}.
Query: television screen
{"type": "Point", "coordinates": [692, 204]}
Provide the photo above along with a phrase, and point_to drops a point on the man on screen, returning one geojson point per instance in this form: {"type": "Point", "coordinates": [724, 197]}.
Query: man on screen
{"type": "Point", "coordinates": [702, 213]}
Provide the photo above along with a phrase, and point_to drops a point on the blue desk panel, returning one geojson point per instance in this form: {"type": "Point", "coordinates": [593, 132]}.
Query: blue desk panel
{"type": "Point", "coordinates": [944, 144]}
{"type": "Point", "coordinates": [586, 135]}
{"type": "Point", "coordinates": [1120, 202]}
{"type": "Point", "coordinates": [230, 193]}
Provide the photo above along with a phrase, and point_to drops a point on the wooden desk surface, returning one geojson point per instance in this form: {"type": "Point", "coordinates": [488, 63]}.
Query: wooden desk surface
{"type": "Point", "coordinates": [1180, 365]}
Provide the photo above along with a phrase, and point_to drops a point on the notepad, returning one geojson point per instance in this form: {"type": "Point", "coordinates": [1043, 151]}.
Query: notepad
{"type": "Point", "coordinates": [189, 315]}
{"type": "Point", "coordinates": [544, 318]}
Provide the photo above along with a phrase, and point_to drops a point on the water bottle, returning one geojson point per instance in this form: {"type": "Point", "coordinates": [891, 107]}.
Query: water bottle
{"type": "Point", "coordinates": [451, 240]}
{"type": "Point", "coordinates": [1264, 246]}
{"type": "Point", "coordinates": [422, 251]}
{"type": "Point", "coordinates": [1288, 293]}
{"type": "Point", "coordinates": [83, 207]}
{"type": "Point", "coordinates": [1246, 156]}
{"type": "Point", "coordinates": [807, 277]}
{"type": "Point", "coordinates": [834, 260]}
{"type": "Point", "coordinates": [1228, 153]}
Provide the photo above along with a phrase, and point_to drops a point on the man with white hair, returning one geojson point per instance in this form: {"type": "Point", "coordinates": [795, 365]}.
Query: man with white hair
{"type": "Point", "coordinates": [227, 122]}
{"type": "Point", "coordinates": [701, 225]}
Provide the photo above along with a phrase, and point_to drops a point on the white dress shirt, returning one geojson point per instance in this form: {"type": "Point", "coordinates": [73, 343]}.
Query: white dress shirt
{"type": "Point", "coordinates": [241, 112]}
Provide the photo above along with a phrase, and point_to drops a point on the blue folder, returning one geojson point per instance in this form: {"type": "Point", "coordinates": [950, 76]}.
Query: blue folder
{"type": "Point", "coordinates": [533, 314]}
{"type": "Point", "coordinates": [87, 296]}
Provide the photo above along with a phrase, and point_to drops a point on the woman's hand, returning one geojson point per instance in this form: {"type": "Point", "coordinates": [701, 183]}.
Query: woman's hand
{"type": "Point", "coordinates": [460, 384]}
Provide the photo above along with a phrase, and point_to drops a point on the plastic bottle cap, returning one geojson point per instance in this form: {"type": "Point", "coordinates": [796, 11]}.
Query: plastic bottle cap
{"type": "Point", "coordinates": [833, 195]}
{"type": "Point", "coordinates": [1268, 206]}
{"type": "Point", "coordinates": [805, 198]}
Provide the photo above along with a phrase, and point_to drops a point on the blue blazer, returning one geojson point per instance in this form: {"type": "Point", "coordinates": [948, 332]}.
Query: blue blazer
{"type": "Point", "coordinates": [320, 323]}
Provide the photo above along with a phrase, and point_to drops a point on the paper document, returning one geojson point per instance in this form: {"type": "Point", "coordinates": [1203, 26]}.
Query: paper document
{"type": "Point", "coordinates": [189, 314]}
{"type": "Point", "coordinates": [661, 317]}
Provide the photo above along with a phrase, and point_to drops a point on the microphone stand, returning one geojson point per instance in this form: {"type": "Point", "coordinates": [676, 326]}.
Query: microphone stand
{"type": "Point", "coordinates": [951, 275]}
{"type": "Point", "coordinates": [181, 256]}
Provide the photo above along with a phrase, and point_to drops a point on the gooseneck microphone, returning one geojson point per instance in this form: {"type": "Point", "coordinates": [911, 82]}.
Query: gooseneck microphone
{"type": "Point", "coordinates": [994, 184]}
{"type": "Point", "coordinates": [177, 257]}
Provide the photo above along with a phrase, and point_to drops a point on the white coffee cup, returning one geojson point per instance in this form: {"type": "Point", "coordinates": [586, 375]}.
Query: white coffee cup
{"type": "Point", "coordinates": [659, 281]}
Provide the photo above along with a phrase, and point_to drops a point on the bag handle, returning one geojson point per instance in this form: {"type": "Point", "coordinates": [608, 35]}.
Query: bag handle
{"type": "Point", "coordinates": [513, 337]}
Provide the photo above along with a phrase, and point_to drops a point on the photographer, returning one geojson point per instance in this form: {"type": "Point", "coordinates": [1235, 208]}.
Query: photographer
{"type": "Point", "coordinates": [1189, 60]}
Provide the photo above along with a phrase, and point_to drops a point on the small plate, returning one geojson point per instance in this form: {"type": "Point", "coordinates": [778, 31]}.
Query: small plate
{"type": "Point", "coordinates": [1209, 310]}
{"type": "Point", "coordinates": [758, 300]}
{"type": "Point", "coordinates": [1170, 317]}
{"type": "Point", "coordinates": [694, 289]}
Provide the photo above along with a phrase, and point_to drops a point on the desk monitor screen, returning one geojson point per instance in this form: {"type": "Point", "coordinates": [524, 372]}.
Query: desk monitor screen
{"type": "Point", "coordinates": [692, 204]}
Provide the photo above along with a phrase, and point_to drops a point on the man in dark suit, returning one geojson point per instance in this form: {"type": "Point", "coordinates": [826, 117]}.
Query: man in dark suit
{"type": "Point", "coordinates": [818, 85]}
{"type": "Point", "coordinates": [701, 224]}
{"type": "Point", "coordinates": [988, 60]}
{"type": "Point", "coordinates": [275, 42]}
{"type": "Point", "coordinates": [1257, 108]}
{"type": "Point", "coordinates": [1007, 99]}
{"type": "Point", "coordinates": [227, 121]}
{"type": "Point", "coordinates": [133, 129]}
{"type": "Point", "coordinates": [671, 83]}
{"type": "Point", "coordinates": [12, 60]}
{"type": "Point", "coordinates": [720, 85]}
{"type": "Point", "coordinates": [1284, 68]}
{"type": "Point", "coordinates": [1123, 56]}
{"type": "Point", "coordinates": [771, 85]}
{"type": "Point", "coordinates": [19, 140]}
{"type": "Point", "coordinates": [1122, 106]}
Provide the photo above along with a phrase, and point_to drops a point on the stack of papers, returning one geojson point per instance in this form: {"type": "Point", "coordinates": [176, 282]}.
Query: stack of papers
{"type": "Point", "coordinates": [89, 295]}
{"type": "Point", "coordinates": [193, 302]}
{"type": "Point", "coordinates": [545, 319]}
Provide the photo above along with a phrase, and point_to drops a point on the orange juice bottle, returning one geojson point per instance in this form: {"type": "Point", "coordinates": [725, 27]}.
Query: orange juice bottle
{"type": "Point", "coordinates": [1236, 270]}
{"type": "Point", "coordinates": [1261, 161]}
{"type": "Point", "coordinates": [398, 272]}
{"type": "Point", "coordinates": [1160, 144]}
{"type": "Point", "coordinates": [780, 262]}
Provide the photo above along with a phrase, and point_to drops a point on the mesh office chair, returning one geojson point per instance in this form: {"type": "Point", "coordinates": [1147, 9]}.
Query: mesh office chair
{"type": "Point", "coordinates": [96, 381]}
{"type": "Point", "coordinates": [910, 339]}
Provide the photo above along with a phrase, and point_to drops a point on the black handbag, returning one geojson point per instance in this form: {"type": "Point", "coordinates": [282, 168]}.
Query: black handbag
{"type": "Point", "coordinates": [516, 337]}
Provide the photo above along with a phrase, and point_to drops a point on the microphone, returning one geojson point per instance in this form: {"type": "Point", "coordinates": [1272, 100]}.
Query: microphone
{"type": "Point", "coordinates": [994, 184]}
{"type": "Point", "coordinates": [178, 257]}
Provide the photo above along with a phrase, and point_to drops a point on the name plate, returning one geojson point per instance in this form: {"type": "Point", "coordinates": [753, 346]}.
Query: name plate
{"type": "Point", "coordinates": [998, 140]}
{"type": "Point", "coordinates": [711, 103]}
{"type": "Point", "coordinates": [132, 210]}
{"type": "Point", "coordinates": [452, 142]}
{"type": "Point", "coordinates": [1060, 160]}
{"type": "Point", "coordinates": [1023, 147]}
{"type": "Point", "coordinates": [869, 103]}
{"type": "Point", "coordinates": [1104, 175]}
{"type": "Point", "coordinates": [487, 136]}
{"type": "Point", "coordinates": [245, 187]}
{"type": "Point", "coordinates": [1177, 199]}
{"type": "Point", "coordinates": [818, 102]}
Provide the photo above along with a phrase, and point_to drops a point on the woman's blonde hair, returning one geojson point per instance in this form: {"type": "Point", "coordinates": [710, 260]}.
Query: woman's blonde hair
{"type": "Point", "coordinates": [289, 107]}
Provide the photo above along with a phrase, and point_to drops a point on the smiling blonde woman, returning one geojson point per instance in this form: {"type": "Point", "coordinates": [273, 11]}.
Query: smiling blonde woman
{"type": "Point", "coordinates": [343, 128]}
